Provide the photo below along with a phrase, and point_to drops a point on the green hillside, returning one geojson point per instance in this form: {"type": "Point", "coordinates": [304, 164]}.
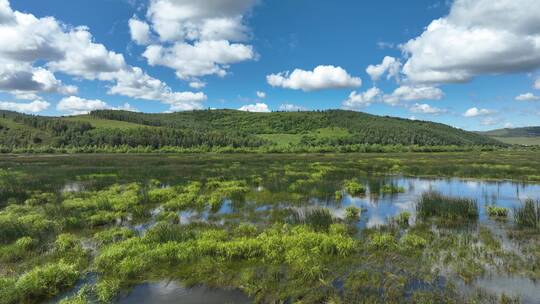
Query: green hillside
{"type": "Point", "coordinates": [528, 136]}
{"type": "Point", "coordinates": [228, 128]}
{"type": "Point", "coordinates": [336, 125]}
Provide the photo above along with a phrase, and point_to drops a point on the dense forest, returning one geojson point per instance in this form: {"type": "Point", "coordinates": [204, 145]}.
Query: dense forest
{"type": "Point", "coordinates": [214, 129]}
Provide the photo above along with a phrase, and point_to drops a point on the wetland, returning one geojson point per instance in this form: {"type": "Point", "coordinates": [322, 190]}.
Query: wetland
{"type": "Point", "coordinates": [264, 228]}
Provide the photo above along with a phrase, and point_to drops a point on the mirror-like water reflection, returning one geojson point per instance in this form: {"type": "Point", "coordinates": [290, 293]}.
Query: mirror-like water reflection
{"type": "Point", "coordinates": [171, 292]}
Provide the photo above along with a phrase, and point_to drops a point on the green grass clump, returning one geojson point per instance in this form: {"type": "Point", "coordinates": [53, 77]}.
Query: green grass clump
{"type": "Point", "coordinates": [22, 248]}
{"type": "Point", "coordinates": [338, 196]}
{"type": "Point", "coordinates": [354, 188]}
{"type": "Point", "coordinates": [498, 212]}
{"type": "Point", "coordinates": [82, 297]}
{"type": "Point", "coordinates": [528, 215]}
{"type": "Point", "coordinates": [434, 204]}
{"type": "Point", "coordinates": [102, 208]}
{"type": "Point", "coordinates": [40, 283]}
{"type": "Point", "coordinates": [402, 219]}
{"type": "Point", "coordinates": [413, 241]}
{"type": "Point", "coordinates": [352, 213]}
{"type": "Point", "coordinates": [166, 232]}
{"type": "Point", "coordinates": [113, 235]}
{"type": "Point", "coordinates": [392, 189]}
{"type": "Point", "coordinates": [302, 253]}
{"type": "Point", "coordinates": [19, 221]}
{"type": "Point", "coordinates": [319, 219]}
{"type": "Point", "coordinates": [382, 241]}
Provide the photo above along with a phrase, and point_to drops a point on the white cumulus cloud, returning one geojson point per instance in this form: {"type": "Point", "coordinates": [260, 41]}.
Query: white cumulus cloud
{"type": "Point", "coordinates": [196, 38]}
{"type": "Point", "coordinates": [360, 100]}
{"type": "Point", "coordinates": [527, 97]}
{"type": "Point", "coordinates": [477, 37]}
{"type": "Point", "coordinates": [322, 77]}
{"type": "Point", "coordinates": [475, 112]}
{"type": "Point", "coordinates": [32, 49]}
{"type": "Point", "coordinates": [177, 20]}
{"type": "Point", "coordinates": [537, 84]}
{"type": "Point", "coordinates": [425, 109]}
{"type": "Point", "coordinates": [199, 59]}
{"type": "Point", "coordinates": [136, 84]}
{"type": "Point", "coordinates": [411, 93]}
{"type": "Point", "coordinates": [261, 95]}
{"type": "Point", "coordinates": [197, 84]}
{"type": "Point", "coordinates": [258, 107]}
{"type": "Point", "coordinates": [30, 107]}
{"type": "Point", "coordinates": [22, 78]}
{"type": "Point", "coordinates": [140, 31]}
{"type": "Point", "coordinates": [389, 64]}
{"type": "Point", "coordinates": [74, 105]}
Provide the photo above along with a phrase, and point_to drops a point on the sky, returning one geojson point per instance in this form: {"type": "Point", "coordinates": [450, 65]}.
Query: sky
{"type": "Point", "coordinates": [472, 64]}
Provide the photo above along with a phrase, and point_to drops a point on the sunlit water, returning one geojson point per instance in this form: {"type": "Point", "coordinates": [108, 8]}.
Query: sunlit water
{"type": "Point", "coordinates": [377, 209]}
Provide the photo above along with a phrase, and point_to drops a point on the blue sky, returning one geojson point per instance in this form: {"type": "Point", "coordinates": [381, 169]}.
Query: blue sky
{"type": "Point", "coordinates": [447, 61]}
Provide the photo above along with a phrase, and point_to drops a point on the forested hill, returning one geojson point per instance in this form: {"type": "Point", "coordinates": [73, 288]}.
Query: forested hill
{"type": "Point", "coordinates": [231, 129]}
{"type": "Point", "coordinates": [517, 132]}
{"type": "Point", "coordinates": [523, 136]}
{"type": "Point", "coordinates": [344, 126]}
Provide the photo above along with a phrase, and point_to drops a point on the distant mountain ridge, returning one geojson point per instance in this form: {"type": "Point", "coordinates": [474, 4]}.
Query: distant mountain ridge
{"type": "Point", "coordinates": [514, 132]}
{"type": "Point", "coordinates": [518, 136]}
{"type": "Point", "coordinates": [230, 128]}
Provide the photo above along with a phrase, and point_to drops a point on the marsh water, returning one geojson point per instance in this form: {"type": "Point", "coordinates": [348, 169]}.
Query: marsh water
{"type": "Point", "coordinates": [275, 184]}
{"type": "Point", "coordinates": [377, 210]}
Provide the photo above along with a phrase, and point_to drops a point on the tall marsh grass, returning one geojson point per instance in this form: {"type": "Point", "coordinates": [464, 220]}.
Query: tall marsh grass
{"type": "Point", "coordinates": [435, 204]}
{"type": "Point", "coordinates": [528, 214]}
{"type": "Point", "coordinates": [319, 219]}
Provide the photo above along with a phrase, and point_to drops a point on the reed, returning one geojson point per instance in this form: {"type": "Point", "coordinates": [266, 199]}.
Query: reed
{"type": "Point", "coordinates": [435, 204]}
{"type": "Point", "coordinates": [319, 219]}
{"type": "Point", "coordinates": [528, 214]}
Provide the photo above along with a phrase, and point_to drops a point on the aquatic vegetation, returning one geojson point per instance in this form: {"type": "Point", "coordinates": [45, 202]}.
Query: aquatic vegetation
{"type": "Point", "coordinates": [354, 188]}
{"type": "Point", "coordinates": [161, 195]}
{"type": "Point", "coordinates": [270, 237]}
{"type": "Point", "coordinates": [434, 204]}
{"type": "Point", "coordinates": [113, 235]}
{"type": "Point", "coordinates": [107, 290]}
{"type": "Point", "coordinates": [319, 219]}
{"type": "Point", "coordinates": [221, 190]}
{"type": "Point", "coordinates": [392, 189]}
{"type": "Point", "coordinates": [302, 250]}
{"type": "Point", "coordinates": [413, 241]}
{"type": "Point", "coordinates": [528, 215]}
{"type": "Point", "coordinates": [498, 212]}
{"type": "Point", "coordinates": [22, 248]}
{"type": "Point", "coordinates": [403, 218]}
{"type": "Point", "coordinates": [82, 297]}
{"type": "Point", "coordinates": [104, 207]}
{"type": "Point", "coordinates": [19, 221]}
{"type": "Point", "coordinates": [40, 199]}
{"type": "Point", "coordinates": [338, 196]}
{"type": "Point", "coordinates": [166, 232]}
{"type": "Point", "coordinates": [382, 241]}
{"type": "Point", "coordinates": [41, 283]}
{"type": "Point", "coordinates": [352, 213]}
